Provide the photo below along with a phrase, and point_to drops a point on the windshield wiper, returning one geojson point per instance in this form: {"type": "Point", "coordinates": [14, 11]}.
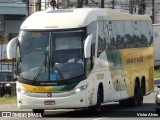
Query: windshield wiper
{"type": "Point", "coordinates": [43, 66]}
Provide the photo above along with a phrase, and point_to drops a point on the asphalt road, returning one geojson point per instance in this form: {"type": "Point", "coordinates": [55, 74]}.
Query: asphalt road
{"type": "Point", "coordinates": [111, 111]}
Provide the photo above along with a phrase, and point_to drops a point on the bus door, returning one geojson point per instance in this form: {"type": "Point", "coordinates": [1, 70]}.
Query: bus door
{"type": "Point", "coordinates": [102, 67]}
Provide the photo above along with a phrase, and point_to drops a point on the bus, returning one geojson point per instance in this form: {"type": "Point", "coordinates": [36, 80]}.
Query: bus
{"type": "Point", "coordinates": [83, 58]}
{"type": "Point", "coordinates": [156, 38]}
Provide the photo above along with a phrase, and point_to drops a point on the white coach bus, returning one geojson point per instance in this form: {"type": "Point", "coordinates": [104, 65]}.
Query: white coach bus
{"type": "Point", "coordinates": [81, 58]}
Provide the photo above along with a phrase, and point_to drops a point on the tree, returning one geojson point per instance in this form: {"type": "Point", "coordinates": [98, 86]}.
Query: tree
{"type": "Point", "coordinates": [53, 3]}
{"type": "Point", "coordinates": [79, 3]}
{"type": "Point", "coordinates": [142, 7]}
{"type": "Point", "coordinates": [38, 5]}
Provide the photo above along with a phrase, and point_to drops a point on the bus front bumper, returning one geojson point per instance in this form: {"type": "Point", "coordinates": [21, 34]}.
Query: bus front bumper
{"type": "Point", "coordinates": [77, 100]}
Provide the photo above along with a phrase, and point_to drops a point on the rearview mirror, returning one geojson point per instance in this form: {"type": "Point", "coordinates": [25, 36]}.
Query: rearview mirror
{"type": "Point", "coordinates": [11, 48]}
{"type": "Point", "coordinates": [158, 85]}
{"type": "Point", "coordinates": [87, 46]}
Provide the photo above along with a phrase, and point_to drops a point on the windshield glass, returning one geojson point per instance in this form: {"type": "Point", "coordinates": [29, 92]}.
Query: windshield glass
{"type": "Point", "coordinates": [51, 56]}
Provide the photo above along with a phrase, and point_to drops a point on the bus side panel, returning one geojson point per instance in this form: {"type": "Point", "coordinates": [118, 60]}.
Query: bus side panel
{"type": "Point", "coordinates": [113, 84]}
{"type": "Point", "coordinates": [138, 62]}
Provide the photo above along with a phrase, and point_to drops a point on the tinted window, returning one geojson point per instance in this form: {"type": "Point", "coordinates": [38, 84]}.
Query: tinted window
{"type": "Point", "coordinates": [6, 76]}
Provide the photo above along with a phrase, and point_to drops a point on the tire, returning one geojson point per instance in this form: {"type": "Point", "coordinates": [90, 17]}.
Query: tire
{"type": "Point", "coordinates": [39, 111]}
{"type": "Point", "coordinates": [143, 88]}
{"type": "Point", "coordinates": [134, 101]}
{"type": "Point", "coordinates": [140, 100]}
{"type": "Point", "coordinates": [97, 109]}
{"type": "Point", "coordinates": [124, 102]}
{"type": "Point", "coordinates": [158, 111]}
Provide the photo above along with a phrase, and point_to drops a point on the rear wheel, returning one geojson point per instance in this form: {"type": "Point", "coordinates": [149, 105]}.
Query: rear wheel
{"type": "Point", "coordinates": [140, 100]}
{"type": "Point", "coordinates": [134, 101]}
{"type": "Point", "coordinates": [124, 102]}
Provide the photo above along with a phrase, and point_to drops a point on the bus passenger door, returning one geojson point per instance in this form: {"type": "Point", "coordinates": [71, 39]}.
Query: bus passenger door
{"type": "Point", "coordinates": [103, 73]}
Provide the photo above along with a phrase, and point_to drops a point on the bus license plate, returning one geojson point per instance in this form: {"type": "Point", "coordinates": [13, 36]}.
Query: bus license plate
{"type": "Point", "coordinates": [49, 102]}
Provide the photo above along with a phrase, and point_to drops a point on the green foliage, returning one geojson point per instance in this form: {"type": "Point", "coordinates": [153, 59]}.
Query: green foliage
{"type": "Point", "coordinates": [157, 73]}
{"type": "Point", "coordinates": [7, 99]}
{"type": "Point", "coordinates": [7, 96]}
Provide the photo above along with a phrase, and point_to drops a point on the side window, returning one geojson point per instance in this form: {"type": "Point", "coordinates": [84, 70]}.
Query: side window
{"type": "Point", "coordinates": [120, 34]}
{"type": "Point", "coordinates": [128, 34]}
{"type": "Point", "coordinates": [145, 34]}
{"type": "Point", "coordinates": [106, 32]}
{"type": "Point", "coordinates": [112, 35]}
{"type": "Point", "coordinates": [101, 37]}
{"type": "Point", "coordinates": [137, 34]}
{"type": "Point", "coordinates": [116, 34]}
{"type": "Point", "coordinates": [149, 34]}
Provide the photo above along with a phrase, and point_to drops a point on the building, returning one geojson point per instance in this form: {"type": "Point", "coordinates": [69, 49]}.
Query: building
{"type": "Point", "coordinates": [12, 14]}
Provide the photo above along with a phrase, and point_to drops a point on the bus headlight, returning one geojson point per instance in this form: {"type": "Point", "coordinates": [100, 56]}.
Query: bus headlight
{"type": "Point", "coordinates": [79, 89]}
{"type": "Point", "coordinates": [158, 96]}
{"type": "Point", "coordinates": [22, 91]}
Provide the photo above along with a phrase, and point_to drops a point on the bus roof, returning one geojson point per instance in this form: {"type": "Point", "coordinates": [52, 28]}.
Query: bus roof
{"type": "Point", "coordinates": [73, 18]}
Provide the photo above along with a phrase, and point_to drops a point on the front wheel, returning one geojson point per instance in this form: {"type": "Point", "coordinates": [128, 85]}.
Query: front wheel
{"type": "Point", "coordinates": [158, 111]}
{"type": "Point", "coordinates": [98, 107]}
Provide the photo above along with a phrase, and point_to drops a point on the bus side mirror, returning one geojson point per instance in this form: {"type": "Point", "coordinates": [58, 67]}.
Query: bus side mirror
{"type": "Point", "coordinates": [11, 48]}
{"type": "Point", "coordinates": [87, 46]}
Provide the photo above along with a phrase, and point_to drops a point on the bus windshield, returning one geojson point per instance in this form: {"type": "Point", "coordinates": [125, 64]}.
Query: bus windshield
{"type": "Point", "coordinates": [51, 56]}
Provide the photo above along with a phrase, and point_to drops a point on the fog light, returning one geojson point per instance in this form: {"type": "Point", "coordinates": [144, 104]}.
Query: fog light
{"type": "Point", "coordinates": [81, 100]}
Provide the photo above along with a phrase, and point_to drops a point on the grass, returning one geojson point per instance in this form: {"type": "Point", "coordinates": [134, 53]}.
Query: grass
{"type": "Point", "coordinates": [157, 73]}
{"type": "Point", "coordinates": [8, 99]}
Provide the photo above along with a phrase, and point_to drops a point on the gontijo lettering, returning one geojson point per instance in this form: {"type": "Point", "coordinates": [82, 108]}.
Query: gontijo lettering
{"type": "Point", "coordinates": [134, 57]}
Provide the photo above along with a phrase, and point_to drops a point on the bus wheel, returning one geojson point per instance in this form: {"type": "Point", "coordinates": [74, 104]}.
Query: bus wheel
{"type": "Point", "coordinates": [99, 101]}
{"type": "Point", "coordinates": [134, 101]}
{"type": "Point", "coordinates": [158, 111]}
{"type": "Point", "coordinates": [124, 102]}
{"type": "Point", "coordinates": [140, 101]}
{"type": "Point", "coordinates": [98, 107]}
{"type": "Point", "coordinates": [39, 111]}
